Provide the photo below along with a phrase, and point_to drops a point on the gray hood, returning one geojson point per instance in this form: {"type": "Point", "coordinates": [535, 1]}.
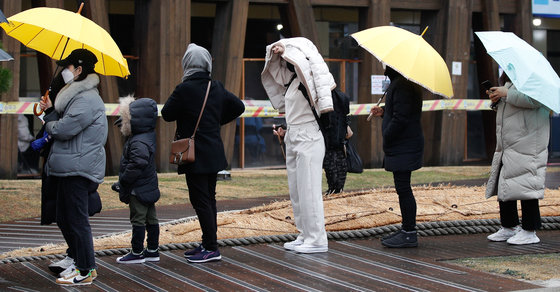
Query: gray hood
{"type": "Point", "coordinates": [196, 59]}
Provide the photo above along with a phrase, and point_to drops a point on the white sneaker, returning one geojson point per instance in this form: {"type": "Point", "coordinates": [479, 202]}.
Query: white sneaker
{"type": "Point", "coordinates": [75, 278]}
{"type": "Point", "coordinates": [60, 266]}
{"type": "Point", "coordinates": [524, 237]}
{"type": "Point", "coordinates": [504, 233]}
{"type": "Point", "coordinates": [68, 271]}
{"type": "Point", "coordinates": [308, 248]}
{"type": "Point", "coordinates": [292, 244]}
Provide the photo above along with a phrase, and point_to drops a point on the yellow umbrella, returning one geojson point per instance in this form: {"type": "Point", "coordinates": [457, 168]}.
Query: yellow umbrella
{"type": "Point", "coordinates": [410, 55]}
{"type": "Point", "coordinates": [57, 32]}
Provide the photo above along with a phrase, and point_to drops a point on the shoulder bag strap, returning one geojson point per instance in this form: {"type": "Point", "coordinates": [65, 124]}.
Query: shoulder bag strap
{"type": "Point", "coordinates": [202, 109]}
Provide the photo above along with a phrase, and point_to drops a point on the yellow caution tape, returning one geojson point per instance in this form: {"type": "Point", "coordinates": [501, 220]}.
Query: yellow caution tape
{"type": "Point", "coordinates": [252, 111]}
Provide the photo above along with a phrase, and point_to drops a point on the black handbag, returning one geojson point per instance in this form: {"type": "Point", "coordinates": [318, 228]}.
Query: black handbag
{"type": "Point", "coordinates": [353, 159]}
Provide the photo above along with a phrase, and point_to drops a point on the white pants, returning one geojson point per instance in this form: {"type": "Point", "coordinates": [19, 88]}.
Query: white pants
{"type": "Point", "coordinates": [305, 149]}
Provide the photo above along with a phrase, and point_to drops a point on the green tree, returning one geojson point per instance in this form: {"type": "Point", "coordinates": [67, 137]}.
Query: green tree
{"type": "Point", "coordinates": [5, 78]}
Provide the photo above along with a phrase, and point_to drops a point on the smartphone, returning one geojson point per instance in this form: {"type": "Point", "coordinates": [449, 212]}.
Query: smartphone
{"type": "Point", "coordinates": [486, 85]}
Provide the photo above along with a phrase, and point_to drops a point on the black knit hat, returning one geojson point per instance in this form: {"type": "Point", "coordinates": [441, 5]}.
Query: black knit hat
{"type": "Point", "coordinates": [79, 57]}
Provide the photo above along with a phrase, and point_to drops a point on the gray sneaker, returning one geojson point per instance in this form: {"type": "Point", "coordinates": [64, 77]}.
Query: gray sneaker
{"type": "Point", "coordinates": [401, 239]}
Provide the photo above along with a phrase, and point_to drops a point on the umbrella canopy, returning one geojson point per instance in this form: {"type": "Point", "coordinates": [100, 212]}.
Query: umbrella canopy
{"type": "Point", "coordinates": [410, 55]}
{"type": "Point", "coordinates": [3, 17]}
{"type": "Point", "coordinates": [526, 67]}
{"type": "Point", "coordinates": [5, 56]}
{"type": "Point", "coordinates": [57, 32]}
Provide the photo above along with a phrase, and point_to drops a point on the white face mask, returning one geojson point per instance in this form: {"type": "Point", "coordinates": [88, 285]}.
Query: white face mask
{"type": "Point", "coordinates": [67, 75]}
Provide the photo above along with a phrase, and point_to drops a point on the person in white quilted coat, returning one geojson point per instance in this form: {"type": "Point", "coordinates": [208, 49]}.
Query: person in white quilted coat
{"type": "Point", "coordinates": [291, 63]}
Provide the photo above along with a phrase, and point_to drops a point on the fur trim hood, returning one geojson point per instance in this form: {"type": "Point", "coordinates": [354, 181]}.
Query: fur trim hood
{"type": "Point", "coordinates": [137, 116]}
{"type": "Point", "coordinates": [69, 91]}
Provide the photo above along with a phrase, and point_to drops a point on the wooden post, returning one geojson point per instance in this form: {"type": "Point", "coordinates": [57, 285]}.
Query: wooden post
{"type": "Point", "coordinates": [524, 21]}
{"type": "Point", "coordinates": [9, 123]}
{"type": "Point", "coordinates": [459, 15]}
{"type": "Point", "coordinates": [369, 138]}
{"type": "Point", "coordinates": [98, 13]}
{"type": "Point", "coordinates": [302, 20]}
{"type": "Point", "coordinates": [228, 42]}
{"type": "Point", "coordinates": [163, 33]}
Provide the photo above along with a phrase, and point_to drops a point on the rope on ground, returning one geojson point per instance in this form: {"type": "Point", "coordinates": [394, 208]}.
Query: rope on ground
{"type": "Point", "coordinates": [424, 229]}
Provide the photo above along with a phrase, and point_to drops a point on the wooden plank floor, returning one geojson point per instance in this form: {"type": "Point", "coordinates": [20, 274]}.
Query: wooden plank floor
{"type": "Point", "coordinates": [353, 265]}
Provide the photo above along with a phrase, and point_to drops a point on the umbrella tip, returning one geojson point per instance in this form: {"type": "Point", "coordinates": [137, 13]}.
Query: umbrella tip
{"type": "Point", "coordinates": [424, 31]}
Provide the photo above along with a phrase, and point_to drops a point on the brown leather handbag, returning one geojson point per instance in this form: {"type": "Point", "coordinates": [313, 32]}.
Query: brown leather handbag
{"type": "Point", "coordinates": [182, 150]}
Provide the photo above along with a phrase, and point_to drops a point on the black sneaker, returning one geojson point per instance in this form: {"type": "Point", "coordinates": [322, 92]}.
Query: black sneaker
{"type": "Point", "coordinates": [390, 235]}
{"type": "Point", "coordinates": [131, 258]}
{"type": "Point", "coordinates": [151, 256]}
{"type": "Point", "coordinates": [205, 256]}
{"type": "Point", "coordinates": [401, 239]}
{"type": "Point", "coordinates": [194, 251]}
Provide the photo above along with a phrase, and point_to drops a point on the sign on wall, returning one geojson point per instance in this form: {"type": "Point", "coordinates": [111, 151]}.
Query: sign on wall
{"type": "Point", "coordinates": [546, 8]}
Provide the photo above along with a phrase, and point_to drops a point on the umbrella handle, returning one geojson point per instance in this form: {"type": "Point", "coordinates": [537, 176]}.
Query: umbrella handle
{"type": "Point", "coordinates": [80, 9]}
{"type": "Point", "coordinates": [43, 98]}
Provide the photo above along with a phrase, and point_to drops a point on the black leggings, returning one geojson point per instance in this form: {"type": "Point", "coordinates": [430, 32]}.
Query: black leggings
{"type": "Point", "coordinates": [529, 211]}
{"type": "Point", "coordinates": [407, 202]}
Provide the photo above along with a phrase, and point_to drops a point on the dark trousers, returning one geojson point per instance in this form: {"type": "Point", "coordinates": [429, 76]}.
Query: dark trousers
{"type": "Point", "coordinates": [529, 212]}
{"type": "Point", "coordinates": [72, 218]}
{"type": "Point", "coordinates": [202, 193]}
{"type": "Point", "coordinates": [407, 202]}
{"type": "Point", "coordinates": [335, 166]}
{"type": "Point", "coordinates": [143, 218]}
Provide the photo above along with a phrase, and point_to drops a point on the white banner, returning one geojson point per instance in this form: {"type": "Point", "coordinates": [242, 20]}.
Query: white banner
{"type": "Point", "coordinates": [546, 8]}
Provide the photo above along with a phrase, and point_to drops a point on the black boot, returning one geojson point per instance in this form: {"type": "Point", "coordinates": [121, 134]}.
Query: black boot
{"type": "Point", "coordinates": [137, 242]}
{"type": "Point", "coordinates": [401, 239]}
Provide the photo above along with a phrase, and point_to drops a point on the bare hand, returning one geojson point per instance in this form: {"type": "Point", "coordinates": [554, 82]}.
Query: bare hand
{"type": "Point", "coordinates": [349, 132]}
{"type": "Point", "coordinates": [277, 49]}
{"type": "Point", "coordinates": [45, 103]}
{"type": "Point", "coordinates": [278, 131]}
{"type": "Point", "coordinates": [376, 111]}
{"type": "Point", "coordinates": [496, 93]}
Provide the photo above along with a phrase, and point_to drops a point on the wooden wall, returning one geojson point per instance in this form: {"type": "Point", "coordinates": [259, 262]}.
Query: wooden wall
{"type": "Point", "coordinates": [163, 32]}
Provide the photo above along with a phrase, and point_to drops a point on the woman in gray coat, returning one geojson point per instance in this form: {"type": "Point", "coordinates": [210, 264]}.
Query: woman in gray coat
{"type": "Point", "coordinates": [78, 126]}
{"type": "Point", "coordinates": [519, 163]}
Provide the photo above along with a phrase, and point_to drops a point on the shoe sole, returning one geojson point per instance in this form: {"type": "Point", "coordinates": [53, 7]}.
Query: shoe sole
{"type": "Point", "coordinates": [523, 243]}
{"type": "Point", "coordinates": [312, 251]}
{"type": "Point", "coordinates": [152, 259]}
{"type": "Point", "coordinates": [400, 245]}
{"type": "Point", "coordinates": [74, 284]}
{"type": "Point", "coordinates": [290, 247]}
{"type": "Point", "coordinates": [132, 262]}
{"type": "Point", "coordinates": [205, 260]}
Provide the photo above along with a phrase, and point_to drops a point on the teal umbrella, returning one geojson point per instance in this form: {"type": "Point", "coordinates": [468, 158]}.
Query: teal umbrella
{"type": "Point", "coordinates": [526, 67]}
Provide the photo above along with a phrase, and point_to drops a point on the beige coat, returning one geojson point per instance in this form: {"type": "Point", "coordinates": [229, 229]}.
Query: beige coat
{"type": "Point", "coordinates": [519, 163]}
{"type": "Point", "coordinates": [310, 67]}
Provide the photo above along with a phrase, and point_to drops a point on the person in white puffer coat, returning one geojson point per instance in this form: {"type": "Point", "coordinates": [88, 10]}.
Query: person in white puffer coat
{"type": "Point", "coordinates": [519, 163]}
{"type": "Point", "coordinates": [293, 65]}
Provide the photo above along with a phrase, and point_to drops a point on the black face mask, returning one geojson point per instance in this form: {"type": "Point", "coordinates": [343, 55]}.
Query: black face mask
{"type": "Point", "coordinates": [290, 67]}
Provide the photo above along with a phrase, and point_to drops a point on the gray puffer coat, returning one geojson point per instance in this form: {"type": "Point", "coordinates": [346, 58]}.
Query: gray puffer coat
{"type": "Point", "coordinates": [79, 128]}
{"type": "Point", "coordinates": [522, 134]}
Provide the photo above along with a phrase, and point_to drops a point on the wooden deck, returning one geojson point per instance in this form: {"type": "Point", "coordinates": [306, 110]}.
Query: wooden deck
{"type": "Point", "coordinates": [353, 265]}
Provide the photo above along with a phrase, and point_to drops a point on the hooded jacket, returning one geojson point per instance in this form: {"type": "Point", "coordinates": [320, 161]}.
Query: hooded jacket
{"type": "Point", "coordinates": [137, 173]}
{"type": "Point", "coordinates": [522, 134]}
{"type": "Point", "coordinates": [310, 68]}
{"type": "Point", "coordinates": [79, 128]}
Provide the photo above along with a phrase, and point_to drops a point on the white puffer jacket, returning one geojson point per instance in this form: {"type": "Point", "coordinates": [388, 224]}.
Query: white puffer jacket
{"type": "Point", "coordinates": [310, 68]}
{"type": "Point", "coordinates": [519, 163]}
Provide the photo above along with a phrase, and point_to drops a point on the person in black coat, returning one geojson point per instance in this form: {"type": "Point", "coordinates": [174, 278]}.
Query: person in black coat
{"type": "Point", "coordinates": [184, 106]}
{"type": "Point", "coordinates": [403, 144]}
{"type": "Point", "coordinates": [138, 182]}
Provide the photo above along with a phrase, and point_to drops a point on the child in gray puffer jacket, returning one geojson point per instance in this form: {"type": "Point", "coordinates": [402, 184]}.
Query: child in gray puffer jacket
{"type": "Point", "coordinates": [138, 182]}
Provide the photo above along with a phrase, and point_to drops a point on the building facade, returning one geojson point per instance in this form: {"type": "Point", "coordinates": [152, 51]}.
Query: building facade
{"type": "Point", "coordinates": [154, 34]}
